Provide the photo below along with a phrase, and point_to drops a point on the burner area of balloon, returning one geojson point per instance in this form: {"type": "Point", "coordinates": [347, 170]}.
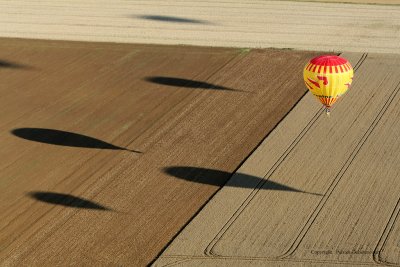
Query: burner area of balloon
{"type": "Point", "coordinates": [328, 77]}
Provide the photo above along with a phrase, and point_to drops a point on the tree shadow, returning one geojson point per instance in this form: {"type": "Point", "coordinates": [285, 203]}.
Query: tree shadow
{"type": "Point", "coordinates": [12, 65]}
{"type": "Point", "coordinates": [219, 178]}
{"type": "Point", "coordinates": [172, 19]}
{"type": "Point", "coordinates": [66, 200]}
{"type": "Point", "coordinates": [62, 138]}
{"type": "Point", "coordinates": [179, 82]}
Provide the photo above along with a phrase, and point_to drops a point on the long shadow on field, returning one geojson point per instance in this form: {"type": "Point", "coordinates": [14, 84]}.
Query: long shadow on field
{"type": "Point", "coordinates": [62, 138]}
{"type": "Point", "coordinates": [12, 65]}
{"type": "Point", "coordinates": [66, 200]}
{"type": "Point", "coordinates": [219, 178]}
{"type": "Point", "coordinates": [193, 84]}
{"type": "Point", "coordinates": [172, 19]}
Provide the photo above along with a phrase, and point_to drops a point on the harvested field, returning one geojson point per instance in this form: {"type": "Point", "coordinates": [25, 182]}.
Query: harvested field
{"type": "Point", "coordinates": [373, 2]}
{"type": "Point", "coordinates": [315, 26]}
{"type": "Point", "coordinates": [319, 191]}
{"type": "Point", "coordinates": [90, 133]}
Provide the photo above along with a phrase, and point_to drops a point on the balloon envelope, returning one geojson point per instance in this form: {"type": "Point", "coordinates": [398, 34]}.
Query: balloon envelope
{"type": "Point", "coordinates": [328, 77]}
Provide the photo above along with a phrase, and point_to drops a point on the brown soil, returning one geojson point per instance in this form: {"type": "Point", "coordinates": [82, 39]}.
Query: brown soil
{"type": "Point", "coordinates": [88, 132]}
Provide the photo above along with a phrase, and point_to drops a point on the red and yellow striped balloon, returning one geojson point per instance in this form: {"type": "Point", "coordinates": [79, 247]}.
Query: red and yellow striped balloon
{"type": "Point", "coordinates": [328, 77]}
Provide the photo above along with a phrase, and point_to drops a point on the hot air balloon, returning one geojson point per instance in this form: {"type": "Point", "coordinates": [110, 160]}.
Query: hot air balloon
{"type": "Point", "coordinates": [328, 78]}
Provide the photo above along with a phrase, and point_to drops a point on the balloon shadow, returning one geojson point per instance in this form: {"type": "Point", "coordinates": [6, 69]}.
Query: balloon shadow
{"type": "Point", "coordinates": [172, 19]}
{"type": "Point", "coordinates": [66, 200]}
{"type": "Point", "coordinates": [63, 138]}
{"type": "Point", "coordinates": [219, 178]}
{"type": "Point", "coordinates": [12, 65]}
{"type": "Point", "coordinates": [193, 84]}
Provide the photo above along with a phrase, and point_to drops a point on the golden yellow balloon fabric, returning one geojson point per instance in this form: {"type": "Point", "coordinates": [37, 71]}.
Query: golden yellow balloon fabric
{"type": "Point", "coordinates": [328, 77]}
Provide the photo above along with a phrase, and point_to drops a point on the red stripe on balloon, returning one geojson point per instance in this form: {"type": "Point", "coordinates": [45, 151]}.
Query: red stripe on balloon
{"type": "Point", "coordinates": [313, 82]}
{"type": "Point", "coordinates": [350, 67]}
{"type": "Point", "coordinates": [313, 69]}
{"type": "Point", "coordinates": [309, 86]}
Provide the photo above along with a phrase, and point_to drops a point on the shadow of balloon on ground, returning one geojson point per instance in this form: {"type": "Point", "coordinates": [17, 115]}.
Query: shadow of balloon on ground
{"type": "Point", "coordinates": [12, 65]}
{"type": "Point", "coordinates": [186, 83]}
{"type": "Point", "coordinates": [219, 178]}
{"type": "Point", "coordinates": [172, 19]}
{"type": "Point", "coordinates": [66, 200]}
{"type": "Point", "coordinates": [63, 138]}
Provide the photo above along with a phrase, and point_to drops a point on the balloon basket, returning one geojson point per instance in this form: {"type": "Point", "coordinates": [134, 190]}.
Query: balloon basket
{"type": "Point", "coordinates": [328, 111]}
